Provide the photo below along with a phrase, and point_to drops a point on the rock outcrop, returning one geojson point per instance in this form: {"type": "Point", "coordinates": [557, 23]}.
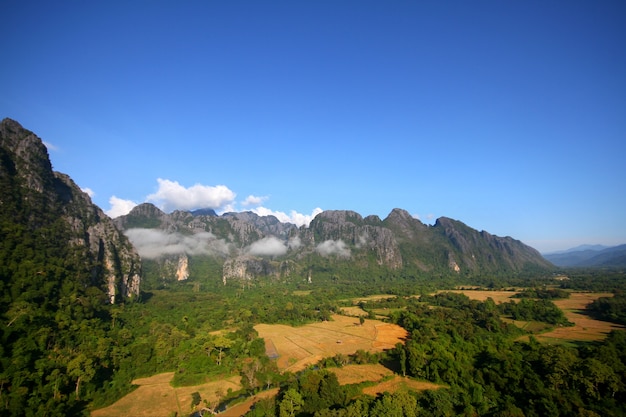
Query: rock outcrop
{"type": "Point", "coordinates": [36, 197]}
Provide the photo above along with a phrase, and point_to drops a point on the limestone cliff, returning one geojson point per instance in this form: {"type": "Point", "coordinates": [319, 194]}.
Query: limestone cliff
{"type": "Point", "coordinates": [35, 197]}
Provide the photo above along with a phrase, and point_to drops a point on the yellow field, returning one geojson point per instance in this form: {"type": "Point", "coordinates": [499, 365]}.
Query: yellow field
{"type": "Point", "coordinates": [355, 374]}
{"type": "Point", "coordinates": [398, 383]}
{"type": "Point", "coordinates": [375, 297]}
{"type": "Point", "coordinates": [482, 295]}
{"type": "Point", "coordinates": [155, 397]}
{"type": "Point", "coordinates": [298, 347]}
{"type": "Point", "coordinates": [242, 408]}
{"type": "Point", "coordinates": [353, 311]}
{"type": "Point", "coordinates": [585, 328]}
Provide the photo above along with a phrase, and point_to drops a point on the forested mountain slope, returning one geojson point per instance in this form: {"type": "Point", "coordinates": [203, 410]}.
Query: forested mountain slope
{"type": "Point", "coordinates": [62, 261]}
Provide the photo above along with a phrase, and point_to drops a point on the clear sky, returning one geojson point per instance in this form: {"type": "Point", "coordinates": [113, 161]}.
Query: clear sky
{"type": "Point", "coordinates": [507, 115]}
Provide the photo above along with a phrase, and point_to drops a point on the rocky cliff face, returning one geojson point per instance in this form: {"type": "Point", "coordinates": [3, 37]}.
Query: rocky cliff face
{"type": "Point", "coordinates": [482, 250]}
{"type": "Point", "coordinates": [363, 234]}
{"type": "Point", "coordinates": [35, 197]}
{"type": "Point", "coordinates": [253, 246]}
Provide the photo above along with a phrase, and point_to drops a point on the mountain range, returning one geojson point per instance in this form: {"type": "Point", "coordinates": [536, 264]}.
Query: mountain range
{"type": "Point", "coordinates": [50, 209]}
{"type": "Point", "coordinates": [590, 256]}
{"type": "Point", "coordinates": [248, 247]}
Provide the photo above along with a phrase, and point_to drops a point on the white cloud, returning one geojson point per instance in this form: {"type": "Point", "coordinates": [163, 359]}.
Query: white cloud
{"type": "Point", "coordinates": [173, 196]}
{"type": "Point", "coordinates": [269, 246]}
{"type": "Point", "coordinates": [253, 200]}
{"type": "Point", "coordinates": [88, 191]}
{"type": "Point", "coordinates": [119, 207]}
{"type": "Point", "coordinates": [333, 247]}
{"type": "Point", "coordinates": [294, 243]}
{"type": "Point", "coordinates": [294, 217]}
{"type": "Point", "coordinates": [428, 218]}
{"type": "Point", "coordinates": [50, 146]}
{"type": "Point", "coordinates": [152, 243]}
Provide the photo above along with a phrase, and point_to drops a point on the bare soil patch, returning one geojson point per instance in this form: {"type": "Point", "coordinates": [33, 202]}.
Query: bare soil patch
{"type": "Point", "coordinates": [299, 347]}
{"type": "Point", "coordinates": [155, 397]}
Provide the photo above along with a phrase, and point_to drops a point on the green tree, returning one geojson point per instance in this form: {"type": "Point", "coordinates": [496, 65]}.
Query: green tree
{"type": "Point", "coordinates": [82, 368]}
{"type": "Point", "coordinates": [222, 343]}
{"type": "Point", "coordinates": [195, 399]}
{"type": "Point", "coordinates": [291, 403]}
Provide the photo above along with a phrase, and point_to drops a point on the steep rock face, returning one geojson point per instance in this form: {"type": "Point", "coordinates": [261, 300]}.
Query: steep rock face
{"type": "Point", "coordinates": [247, 268]}
{"type": "Point", "coordinates": [398, 242]}
{"type": "Point", "coordinates": [143, 215]}
{"type": "Point", "coordinates": [405, 226]}
{"type": "Point", "coordinates": [36, 197]}
{"type": "Point", "coordinates": [182, 271]}
{"type": "Point", "coordinates": [482, 250]}
{"type": "Point", "coordinates": [350, 227]}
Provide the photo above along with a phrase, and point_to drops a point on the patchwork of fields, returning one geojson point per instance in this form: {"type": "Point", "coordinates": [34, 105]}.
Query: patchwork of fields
{"type": "Point", "coordinates": [295, 348]}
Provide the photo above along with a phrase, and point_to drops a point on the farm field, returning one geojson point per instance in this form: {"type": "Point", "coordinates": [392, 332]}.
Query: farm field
{"type": "Point", "coordinates": [156, 397]}
{"type": "Point", "coordinates": [295, 348]}
{"type": "Point", "coordinates": [397, 383]}
{"type": "Point", "coordinates": [354, 311]}
{"type": "Point", "coordinates": [355, 374]}
{"type": "Point", "coordinates": [585, 328]}
{"type": "Point", "coordinates": [242, 408]}
{"type": "Point", "coordinates": [374, 297]}
{"type": "Point", "coordinates": [482, 295]}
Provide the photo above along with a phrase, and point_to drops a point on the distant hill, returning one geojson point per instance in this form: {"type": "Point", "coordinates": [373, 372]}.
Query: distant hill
{"type": "Point", "coordinates": [580, 248]}
{"type": "Point", "coordinates": [590, 256]}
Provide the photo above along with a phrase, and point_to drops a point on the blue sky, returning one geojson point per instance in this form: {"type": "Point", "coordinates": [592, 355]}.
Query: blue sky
{"type": "Point", "coordinates": [509, 116]}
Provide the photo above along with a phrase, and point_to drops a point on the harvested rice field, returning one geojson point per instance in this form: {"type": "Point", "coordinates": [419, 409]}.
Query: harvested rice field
{"type": "Point", "coordinates": [295, 348]}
